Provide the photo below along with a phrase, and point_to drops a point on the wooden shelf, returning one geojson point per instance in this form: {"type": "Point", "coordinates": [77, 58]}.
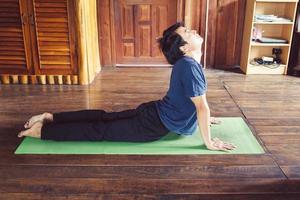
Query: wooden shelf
{"type": "Point", "coordinates": [275, 23]}
{"type": "Point", "coordinates": [284, 30]}
{"type": "Point", "coordinates": [253, 69]}
{"type": "Point", "coordinates": [277, 1]}
{"type": "Point", "coordinates": [270, 44]}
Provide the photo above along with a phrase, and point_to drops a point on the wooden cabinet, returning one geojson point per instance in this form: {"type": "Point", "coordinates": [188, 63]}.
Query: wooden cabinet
{"type": "Point", "coordinates": [53, 36]}
{"type": "Point", "coordinates": [48, 41]}
{"type": "Point", "coordinates": [15, 45]}
{"type": "Point", "coordinates": [37, 37]}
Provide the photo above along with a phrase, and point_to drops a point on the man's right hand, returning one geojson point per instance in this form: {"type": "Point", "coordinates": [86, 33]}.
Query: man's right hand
{"type": "Point", "coordinates": [218, 145]}
{"type": "Point", "coordinates": [215, 121]}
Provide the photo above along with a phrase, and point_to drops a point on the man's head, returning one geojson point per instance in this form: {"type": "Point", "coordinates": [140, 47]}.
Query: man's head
{"type": "Point", "coordinates": [178, 41]}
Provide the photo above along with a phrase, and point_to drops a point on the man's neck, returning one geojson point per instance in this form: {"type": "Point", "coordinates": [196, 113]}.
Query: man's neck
{"type": "Point", "coordinates": [196, 55]}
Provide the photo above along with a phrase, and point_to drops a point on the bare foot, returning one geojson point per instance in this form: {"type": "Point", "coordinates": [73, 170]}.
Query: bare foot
{"type": "Point", "coordinates": [34, 131]}
{"type": "Point", "coordinates": [38, 118]}
{"type": "Point", "coordinates": [214, 120]}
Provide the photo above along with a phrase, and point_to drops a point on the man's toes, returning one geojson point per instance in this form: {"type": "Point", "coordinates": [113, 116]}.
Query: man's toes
{"type": "Point", "coordinates": [26, 124]}
{"type": "Point", "coordinates": [22, 134]}
{"type": "Point", "coordinates": [30, 123]}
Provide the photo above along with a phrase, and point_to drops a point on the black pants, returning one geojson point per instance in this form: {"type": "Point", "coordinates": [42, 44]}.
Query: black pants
{"type": "Point", "coordinates": [136, 125]}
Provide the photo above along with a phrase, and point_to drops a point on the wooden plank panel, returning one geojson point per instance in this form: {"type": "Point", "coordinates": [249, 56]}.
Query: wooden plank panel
{"type": "Point", "coordinates": [44, 10]}
{"type": "Point", "coordinates": [62, 28]}
{"type": "Point", "coordinates": [278, 130]}
{"type": "Point", "coordinates": [285, 154]}
{"type": "Point", "coordinates": [141, 172]}
{"type": "Point", "coordinates": [12, 53]}
{"type": "Point", "coordinates": [159, 13]}
{"type": "Point", "coordinates": [53, 5]}
{"type": "Point", "coordinates": [253, 196]}
{"type": "Point", "coordinates": [144, 12]}
{"type": "Point", "coordinates": [56, 30]}
{"type": "Point", "coordinates": [12, 63]}
{"type": "Point", "coordinates": [13, 36]}
{"type": "Point", "coordinates": [53, 53]}
{"type": "Point", "coordinates": [141, 186]}
{"type": "Point", "coordinates": [54, 27]}
{"type": "Point", "coordinates": [145, 48]}
{"type": "Point", "coordinates": [161, 24]}
{"type": "Point", "coordinates": [292, 172]}
{"type": "Point", "coordinates": [128, 49]}
{"type": "Point", "coordinates": [127, 22]}
{"type": "Point", "coordinates": [48, 19]}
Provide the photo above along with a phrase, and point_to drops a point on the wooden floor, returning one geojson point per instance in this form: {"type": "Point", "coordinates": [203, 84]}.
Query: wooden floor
{"type": "Point", "coordinates": [269, 103]}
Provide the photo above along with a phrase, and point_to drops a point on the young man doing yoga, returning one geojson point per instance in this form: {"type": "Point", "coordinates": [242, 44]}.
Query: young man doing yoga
{"type": "Point", "coordinates": [183, 108]}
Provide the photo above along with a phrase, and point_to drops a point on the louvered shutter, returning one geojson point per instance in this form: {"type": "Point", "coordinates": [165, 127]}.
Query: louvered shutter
{"type": "Point", "coordinates": [15, 48]}
{"type": "Point", "coordinates": [54, 26]}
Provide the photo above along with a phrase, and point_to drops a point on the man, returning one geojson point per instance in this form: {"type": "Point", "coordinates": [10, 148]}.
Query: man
{"type": "Point", "coordinates": [180, 111]}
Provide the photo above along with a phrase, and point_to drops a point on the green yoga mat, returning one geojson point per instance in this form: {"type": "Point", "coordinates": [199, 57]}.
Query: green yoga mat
{"type": "Point", "coordinates": [233, 130]}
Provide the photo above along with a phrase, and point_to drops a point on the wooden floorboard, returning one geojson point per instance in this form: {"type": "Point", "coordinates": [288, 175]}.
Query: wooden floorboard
{"type": "Point", "coordinates": [269, 104]}
{"type": "Point", "coordinates": [89, 196]}
{"type": "Point", "coordinates": [272, 107]}
{"type": "Point", "coordinates": [148, 186]}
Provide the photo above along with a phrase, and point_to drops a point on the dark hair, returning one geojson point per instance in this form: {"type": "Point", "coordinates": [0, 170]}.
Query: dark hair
{"type": "Point", "coordinates": [170, 42]}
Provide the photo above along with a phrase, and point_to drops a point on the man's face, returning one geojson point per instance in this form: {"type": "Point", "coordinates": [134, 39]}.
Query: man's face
{"type": "Point", "coordinates": [193, 39]}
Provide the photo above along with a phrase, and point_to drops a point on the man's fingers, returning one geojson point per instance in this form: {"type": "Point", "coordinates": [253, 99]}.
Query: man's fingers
{"type": "Point", "coordinates": [229, 146]}
{"type": "Point", "coordinates": [224, 149]}
{"type": "Point", "coordinates": [232, 145]}
{"type": "Point", "coordinates": [214, 120]}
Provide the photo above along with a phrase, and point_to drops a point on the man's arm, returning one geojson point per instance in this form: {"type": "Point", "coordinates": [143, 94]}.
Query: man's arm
{"type": "Point", "coordinates": [203, 116]}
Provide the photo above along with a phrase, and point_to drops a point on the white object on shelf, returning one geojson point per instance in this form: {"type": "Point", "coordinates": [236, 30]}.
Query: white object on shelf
{"type": "Point", "coordinates": [267, 58]}
{"type": "Point", "coordinates": [270, 18]}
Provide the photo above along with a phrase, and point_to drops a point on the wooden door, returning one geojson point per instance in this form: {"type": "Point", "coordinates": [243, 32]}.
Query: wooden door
{"type": "Point", "coordinates": [53, 33]}
{"type": "Point", "coordinates": [225, 32]}
{"type": "Point", "coordinates": [138, 24]}
{"type": "Point", "coordinates": [294, 60]}
{"type": "Point", "coordinates": [15, 56]}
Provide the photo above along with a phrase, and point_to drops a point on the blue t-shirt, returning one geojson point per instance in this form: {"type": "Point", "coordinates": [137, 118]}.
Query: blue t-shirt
{"type": "Point", "coordinates": [176, 110]}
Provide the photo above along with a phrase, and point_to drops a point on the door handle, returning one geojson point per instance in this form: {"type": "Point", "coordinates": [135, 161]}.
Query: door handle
{"type": "Point", "coordinates": [31, 19]}
{"type": "Point", "coordinates": [23, 18]}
